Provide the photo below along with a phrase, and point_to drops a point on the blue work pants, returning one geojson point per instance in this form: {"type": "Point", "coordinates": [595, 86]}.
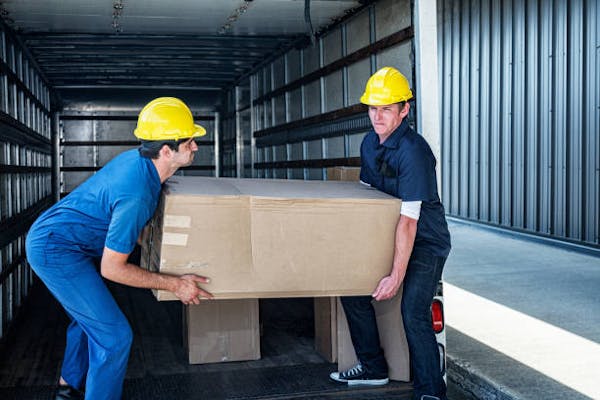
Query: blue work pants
{"type": "Point", "coordinates": [99, 336]}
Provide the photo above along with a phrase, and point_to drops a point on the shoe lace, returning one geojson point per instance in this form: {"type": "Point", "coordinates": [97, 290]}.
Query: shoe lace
{"type": "Point", "coordinates": [354, 371]}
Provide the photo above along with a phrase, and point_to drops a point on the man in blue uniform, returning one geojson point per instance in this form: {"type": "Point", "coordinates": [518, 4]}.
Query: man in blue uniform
{"type": "Point", "coordinates": [102, 220]}
{"type": "Point", "coordinates": [397, 160]}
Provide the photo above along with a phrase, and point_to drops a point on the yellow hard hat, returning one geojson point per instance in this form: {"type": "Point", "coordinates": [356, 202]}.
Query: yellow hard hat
{"type": "Point", "coordinates": [167, 118]}
{"type": "Point", "coordinates": [386, 86]}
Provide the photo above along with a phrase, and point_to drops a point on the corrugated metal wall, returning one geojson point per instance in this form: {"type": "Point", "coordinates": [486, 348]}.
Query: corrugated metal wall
{"type": "Point", "coordinates": [91, 136]}
{"type": "Point", "coordinates": [520, 83]}
{"type": "Point", "coordinates": [235, 144]}
{"type": "Point", "coordinates": [303, 114]}
{"type": "Point", "coordinates": [25, 168]}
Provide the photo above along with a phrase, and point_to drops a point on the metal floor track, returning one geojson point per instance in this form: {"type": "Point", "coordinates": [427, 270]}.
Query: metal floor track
{"type": "Point", "coordinates": [277, 383]}
{"type": "Point", "coordinates": [289, 368]}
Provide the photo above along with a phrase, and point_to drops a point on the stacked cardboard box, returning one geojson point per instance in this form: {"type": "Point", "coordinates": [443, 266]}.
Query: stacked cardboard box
{"type": "Point", "coordinates": [391, 336]}
{"type": "Point", "coordinates": [220, 331]}
{"type": "Point", "coordinates": [348, 174]}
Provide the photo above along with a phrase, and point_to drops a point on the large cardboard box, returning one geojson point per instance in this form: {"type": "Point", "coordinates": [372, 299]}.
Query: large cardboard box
{"type": "Point", "coordinates": [223, 330]}
{"type": "Point", "coordinates": [273, 238]}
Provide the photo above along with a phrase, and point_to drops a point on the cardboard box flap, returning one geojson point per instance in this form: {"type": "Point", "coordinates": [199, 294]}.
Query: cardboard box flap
{"type": "Point", "coordinates": [201, 186]}
{"type": "Point", "coordinates": [276, 189]}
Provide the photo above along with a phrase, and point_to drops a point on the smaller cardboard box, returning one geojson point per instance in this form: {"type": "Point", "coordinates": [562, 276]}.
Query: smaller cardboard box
{"type": "Point", "coordinates": [221, 330]}
{"type": "Point", "coordinates": [349, 174]}
{"type": "Point", "coordinates": [326, 336]}
{"type": "Point", "coordinates": [391, 336]}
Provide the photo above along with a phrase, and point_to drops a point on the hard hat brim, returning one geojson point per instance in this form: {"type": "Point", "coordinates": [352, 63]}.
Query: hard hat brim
{"type": "Point", "coordinates": [374, 100]}
{"type": "Point", "coordinates": [199, 131]}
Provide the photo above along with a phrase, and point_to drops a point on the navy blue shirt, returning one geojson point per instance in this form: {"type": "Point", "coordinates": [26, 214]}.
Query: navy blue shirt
{"type": "Point", "coordinates": [109, 209]}
{"type": "Point", "coordinates": [404, 166]}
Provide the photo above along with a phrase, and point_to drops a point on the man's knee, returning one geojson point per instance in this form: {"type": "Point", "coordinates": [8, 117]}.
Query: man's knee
{"type": "Point", "coordinates": [118, 344]}
{"type": "Point", "coordinates": [414, 319]}
{"type": "Point", "coordinates": [125, 336]}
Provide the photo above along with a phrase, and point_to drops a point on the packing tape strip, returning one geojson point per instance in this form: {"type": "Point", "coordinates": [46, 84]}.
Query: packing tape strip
{"type": "Point", "coordinates": [175, 239]}
{"type": "Point", "coordinates": [177, 221]}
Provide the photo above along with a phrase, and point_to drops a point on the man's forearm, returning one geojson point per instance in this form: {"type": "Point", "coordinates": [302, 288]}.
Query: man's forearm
{"type": "Point", "coordinates": [114, 267]}
{"type": "Point", "coordinates": [132, 275]}
{"type": "Point", "coordinates": [406, 230]}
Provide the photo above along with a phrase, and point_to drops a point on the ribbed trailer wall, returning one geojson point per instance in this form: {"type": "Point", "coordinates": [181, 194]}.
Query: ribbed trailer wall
{"type": "Point", "coordinates": [303, 113]}
{"type": "Point", "coordinates": [520, 114]}
{"type": "Point", "coordinates": [93, 135]}
{"type": "Point", "coordinates": [25, 168]}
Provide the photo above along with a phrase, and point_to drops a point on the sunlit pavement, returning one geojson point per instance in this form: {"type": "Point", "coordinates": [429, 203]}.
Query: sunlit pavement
{"type": "Point", "coordinates": [522, 317]}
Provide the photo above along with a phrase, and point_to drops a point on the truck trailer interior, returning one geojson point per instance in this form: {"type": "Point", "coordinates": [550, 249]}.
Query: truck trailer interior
{"type": "Point", "coordinates": [276, 83]}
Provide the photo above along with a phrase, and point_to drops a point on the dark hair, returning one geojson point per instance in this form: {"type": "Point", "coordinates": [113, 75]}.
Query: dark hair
{"type": "Point", "coordinates": [151, 148]}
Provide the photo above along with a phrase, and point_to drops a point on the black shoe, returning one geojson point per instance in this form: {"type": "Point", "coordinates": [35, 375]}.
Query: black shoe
{"type": "Point", "coordinates": [66, 392]}
{"type": "Point", "coordinates": [358, 375]}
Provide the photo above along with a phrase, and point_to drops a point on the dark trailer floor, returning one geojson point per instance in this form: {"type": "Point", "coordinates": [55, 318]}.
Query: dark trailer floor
{"type": "Point", "coordinates": [290, 368]}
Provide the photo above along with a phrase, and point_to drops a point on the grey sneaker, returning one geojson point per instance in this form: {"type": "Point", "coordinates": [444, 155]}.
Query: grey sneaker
{"type": "Point", "coordinates": [358, 375]}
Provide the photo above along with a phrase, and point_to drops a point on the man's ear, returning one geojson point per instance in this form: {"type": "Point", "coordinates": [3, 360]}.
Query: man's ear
{"type": "Point", "coordinates": [405, 110]}
{"type": "Point", "coordinates": [165, 151]}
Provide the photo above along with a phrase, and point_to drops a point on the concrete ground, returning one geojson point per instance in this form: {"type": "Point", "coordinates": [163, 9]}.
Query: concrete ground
{"type": "Point", "coordinates": [522, 316]}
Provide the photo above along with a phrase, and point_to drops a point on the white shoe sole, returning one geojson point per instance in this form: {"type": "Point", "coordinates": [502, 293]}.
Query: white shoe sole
{"type": "Point", "coordinates": [368, 382]}
{"type": "Point", "coordinates": [359, 382]}
{"type": "Point", "coordinates": [336, 377]}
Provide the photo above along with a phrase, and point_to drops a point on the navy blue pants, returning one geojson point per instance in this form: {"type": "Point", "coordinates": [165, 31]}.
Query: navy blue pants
{"type": "Point", "coordinates": [420, 283]}
{"type": "Point", "coordinates": [99, 336]}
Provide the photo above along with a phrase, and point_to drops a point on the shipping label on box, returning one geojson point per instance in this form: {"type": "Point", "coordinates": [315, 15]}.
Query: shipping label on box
{"type": "Point", "coordinates": [273, 238]}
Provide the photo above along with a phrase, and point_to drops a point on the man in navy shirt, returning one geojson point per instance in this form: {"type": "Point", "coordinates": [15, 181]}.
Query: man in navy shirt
{"type": "Point", "coordinates": [397, 160]}
{"type": "Point", "coordinates": [102, 220]}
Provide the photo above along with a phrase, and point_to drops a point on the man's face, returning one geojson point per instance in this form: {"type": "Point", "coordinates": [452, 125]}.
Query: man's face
{"type": "Point", "coordinates": [385, 119]}
{"type": "Point", "coordinates": [185, 153]}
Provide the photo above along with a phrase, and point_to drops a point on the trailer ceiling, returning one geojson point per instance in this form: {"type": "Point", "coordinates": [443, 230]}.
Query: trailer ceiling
{"type": "Point", "coordinates": [141, 44]}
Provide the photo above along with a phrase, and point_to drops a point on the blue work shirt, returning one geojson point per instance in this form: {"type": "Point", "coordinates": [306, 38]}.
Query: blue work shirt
{"type": "Point", "coordinates": [109, 209]}
{"type": "Point", "coordinates": [404, 166]}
